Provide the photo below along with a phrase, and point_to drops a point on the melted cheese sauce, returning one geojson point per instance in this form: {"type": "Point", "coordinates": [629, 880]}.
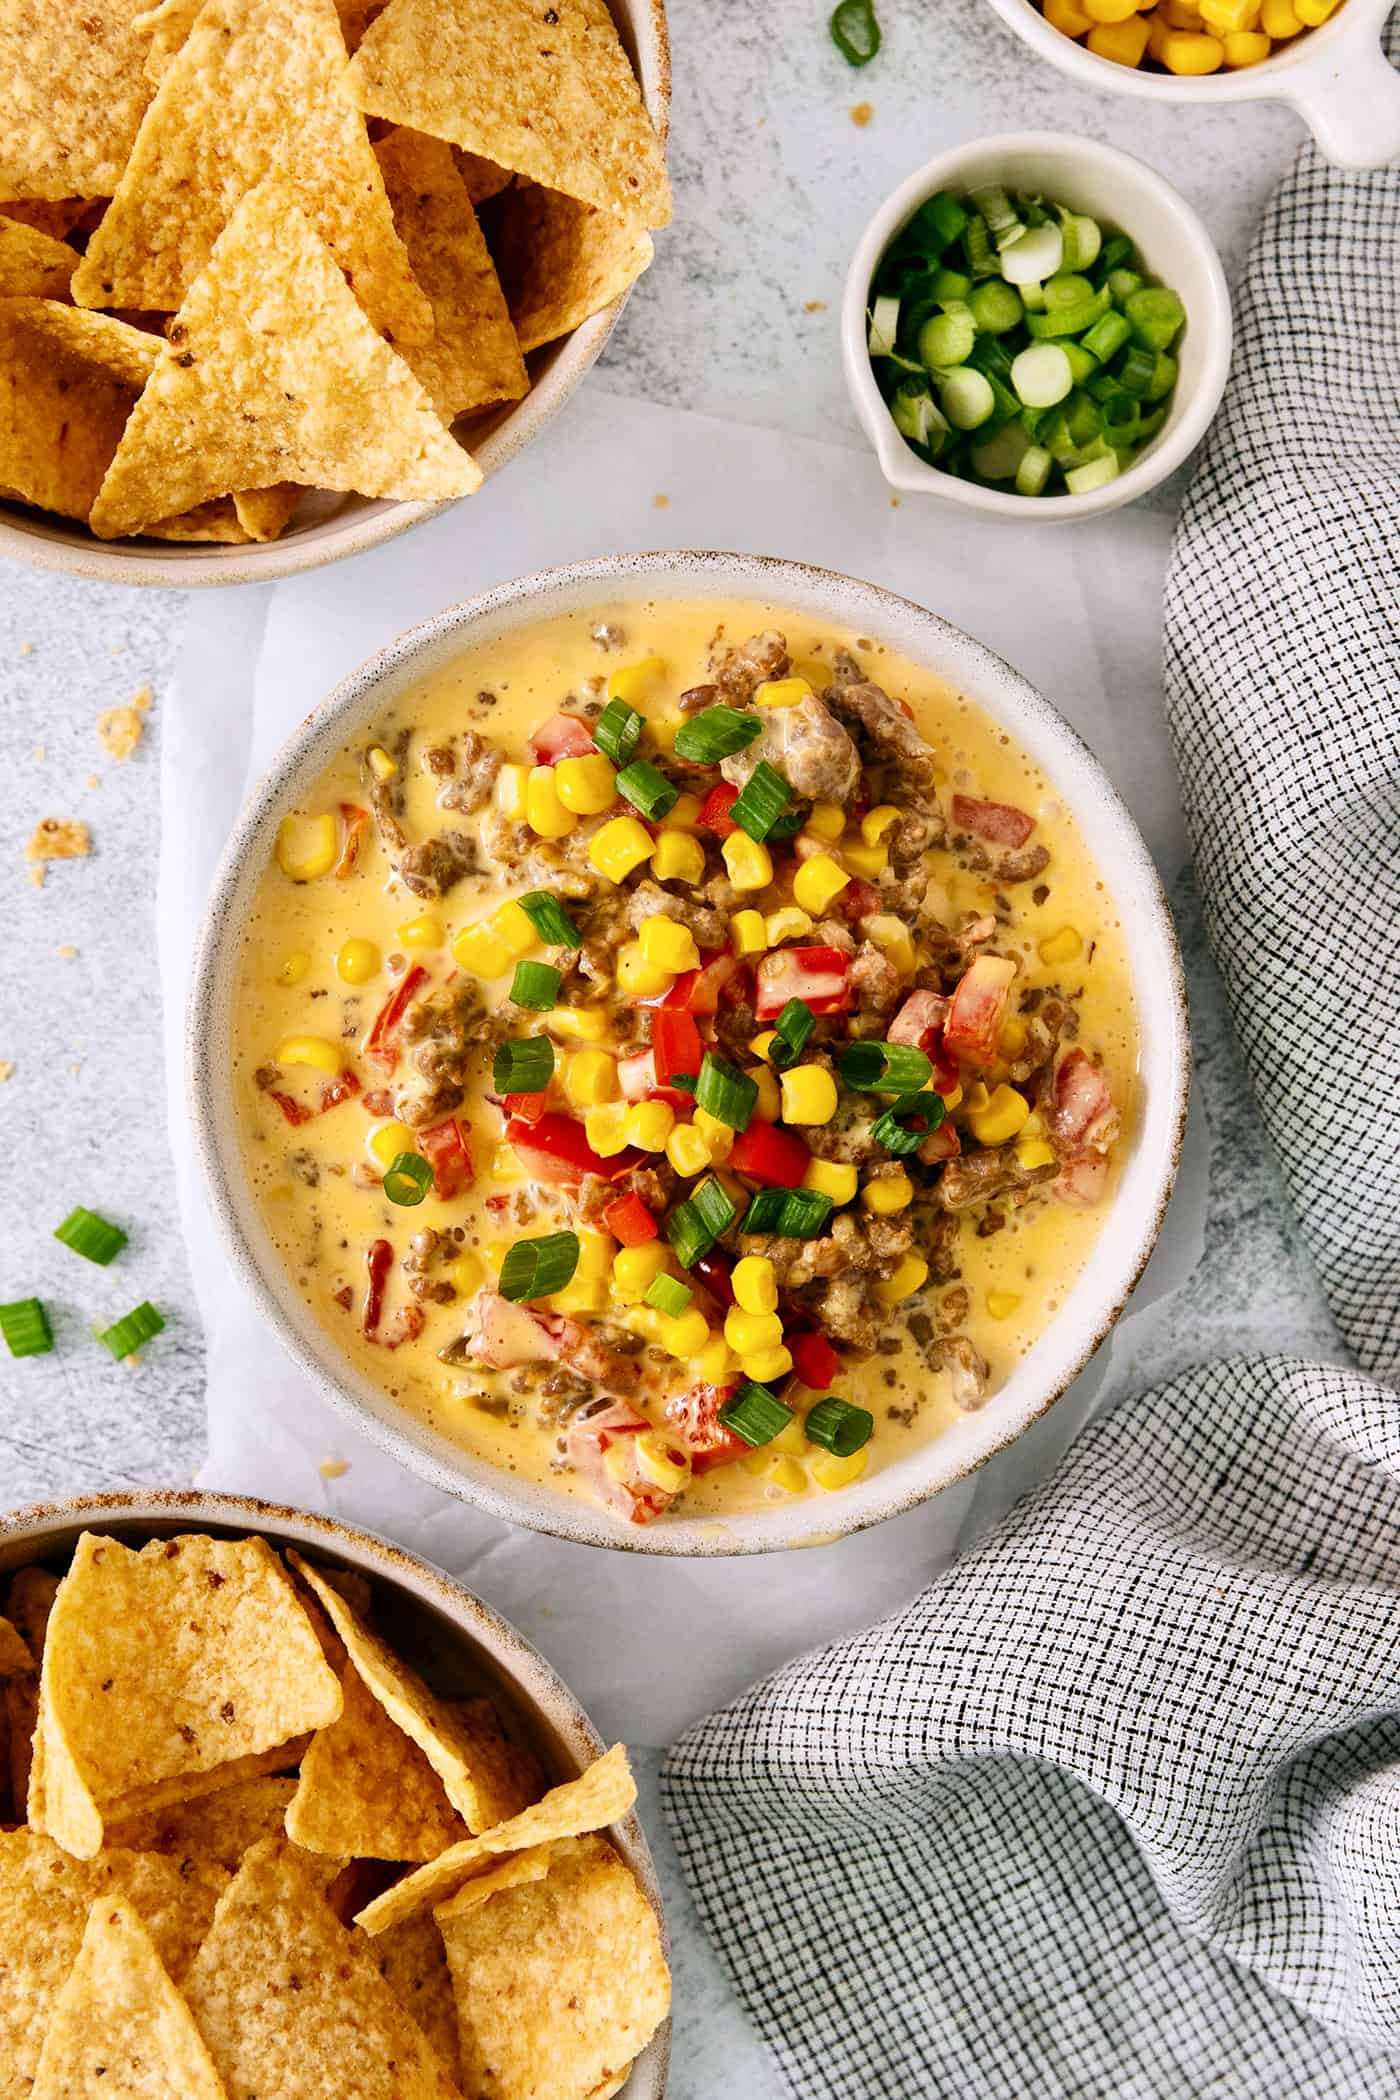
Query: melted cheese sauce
{"type": "Point", "coordinates": [321, 1220]}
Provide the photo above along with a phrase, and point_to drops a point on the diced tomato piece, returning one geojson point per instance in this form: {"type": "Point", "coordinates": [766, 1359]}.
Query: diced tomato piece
{"type": "Point", "coordinates": [562, 736]}
{"type": "Point", "coordinates": [381, 1045]}
{"type": "Point", "coordinates": [502, 1335]}
{"type": "Point", "coordinates": [676, 1046]}
{"type": "Point", "coordinates": [978, 1007]}
{"type": "Point", "coordinates": [603, 1449]}
{"type": "Point", "coordinates": [770, 1155]}
{"type": "Point", "coordinates": [699, 991]}
{"type": "Point", "coordinates": [857, 901]}
{"type": "Point", "coordinates": [1081, 1112]}
{"type": "Point", "coordinates": [556, 1150]}
{"type": "Point", "coordinates": [816, 975]}
{"type": "Point", "coordinates": [714, 1272]}
{"type": "Point", "coordinates": [629, 1220]}
{"type": "Point", "coordinates": [344, 1087]}
{"type": "Point", "coordinates": [528, 1107]}
{"type": "Point", "coordinates": [814, 1360]}
{"type": "Point", "coordinates": [1000, 822]}
{"type": "Point", "coordinates": [714, 810]}
{"type": "Point", "coordinates": [694, 1415]}
{"type": "Point", "coordinates": [445, 1149]}
{"type": "Point", "coordinates": [296, 1112]}
{"type": "Point", "coordinates": [378, 1102]}
{"type": "Point", "coordinates": [636, 1075]}
{"type": "Point", "coordinates": [919, 1020]}
{"type": "Point", "coordinates": [379, 1259]}
{"type": "Point", "coordinates": [354, 819]}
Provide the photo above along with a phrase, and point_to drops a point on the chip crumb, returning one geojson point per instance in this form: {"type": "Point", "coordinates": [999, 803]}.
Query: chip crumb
{"type": "Point", "coordinates": [59, 838]}
{"type": "Point", "coordinates": [119, 728]}
{"type": "Point", "coordinates": [66, 953]}
{"type": "Point", "coordinates": [7, 1070]}
{"type": "Point", "coordinates": [894, 503]}
{"type": "Point", "coordinates": [142, 698]}
{"type": "Point", "coordinates": [660, 501]}
{"type": "Point", "coordinates": [36, 875]}
{"type": "Point", "coordinates": [92, 781]}
{"type": "Point", "coordinates": [41, 752]}
{"type": "Point", "coordinates": [861, 113]}
{"type": "Point", "coordinates": [26, 648]}
{"type": "Point", "coordinates": [332, 1468]}
{"type": "Point", "coordinates": [814, 306]}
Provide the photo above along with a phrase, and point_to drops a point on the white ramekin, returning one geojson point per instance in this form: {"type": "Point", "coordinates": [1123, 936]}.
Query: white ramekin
{"type": "Point", "coordinates": [1336, 77]}
{"type": "Point", "coordinates": [1121, 192]}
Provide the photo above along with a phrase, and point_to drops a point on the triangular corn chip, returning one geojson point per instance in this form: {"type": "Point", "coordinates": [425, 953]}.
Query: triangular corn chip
{"type": "Point", "coordinates": [561, 261]}
{"type": "Point", "coordinates": [165, 1672]}
{"type": "Point", "coordinates": [292, 2003]}
{"type": "Point", "coordinates": [120, 2017]}
{"type": "Point", "coordinates": [68, 382]}
{"type": "Point", "coordinates": [263, 513]}
{"type": "Point", "coordinates": [592, 1801]}
{"type": "Point", "coordinates": [366, 1790]}
{"type": "Point", "coordinates": [74, 89]}
{"type": "Point", "coordinates": [15, 1658]}
{"type": "Point", "coordinates": [256, 91]}
{"type": "Point", "coordinates": [510, 1872]}
{"type": "Point", "coordinates": [167, 25]}
{"type": "Point", "coordinates": [274, 374]}
{"type": "Point", "coordinates": [29, 1602]}
{"type": "Point", "coordinates": [481, 178]}
{"type": "Point", "coordinates": [543, 87]}
{"type": "Point", "coordinates": [413, 1962]}
{"type": "Point", "coordinates": [32, 265]}
{"type": "Point", "coordinates": [56, 220]}
{"type": "Point", "coordinates": [473, 358]}
{"type": "Point", "coordinates": [220, 1826]}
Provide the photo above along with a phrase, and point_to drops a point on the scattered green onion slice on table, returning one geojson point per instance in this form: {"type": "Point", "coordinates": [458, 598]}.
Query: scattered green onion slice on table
{"type": "Point", "coordinates": [716, 733]}
{"type": "Point", "coordinates": [790, 1033]}
{"type": "Point", "coordinates": [536, 985]}
{"type": "Point", "coordinates": [725, 1093]}
{"type": "Point", "coordinates": [128, 1334]}
{"type": "Point", "coordinates": [668, 1295]}
{"type": "Point", "coordinates": [762, 800]}
{"type": "Point", "coordinates": [537, 1268]}
{"type": "Point", "coordinates": [617, 731]}
{"type": "Point", "coordinates": [408, 1179]}
{"type": "Point", "coordinates": [648, 789]}
{"type": "Point", "coordinates": [838, 1426]}
{"type": "Point", "coordinates": [855, 31]}
{"type": "Point", "coordinates": [755, 1415]}
{"type": "Point", "coordinates": [904, 1126]}
{"type": "Point", "coordinates": [25, 1327]}
{"type": "Point", "coordinates": [91, 1236]}
{"type": "Point", "coordinates": [550, 920]}
{"type": "Point", "coordinates": [523, 1065]}
{"type": "Point", "coordinates": [888, 1068]}
{"type": "Point", "coordinates": [794, 1214]}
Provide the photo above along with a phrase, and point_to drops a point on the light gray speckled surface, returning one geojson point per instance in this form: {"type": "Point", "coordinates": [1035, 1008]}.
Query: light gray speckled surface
{"type": "Point", "coordinates": [773, 183]}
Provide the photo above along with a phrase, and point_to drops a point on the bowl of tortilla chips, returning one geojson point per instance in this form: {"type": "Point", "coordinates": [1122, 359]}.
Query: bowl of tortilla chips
{"type": "Point", "coordinates": [276, 1797]}
{"type": "Point", "coordinates": [279, 278]}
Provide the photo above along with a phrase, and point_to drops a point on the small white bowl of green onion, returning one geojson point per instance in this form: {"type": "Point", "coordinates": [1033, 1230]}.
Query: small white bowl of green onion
{"type": "Point", "coordinates": [1035, 325]}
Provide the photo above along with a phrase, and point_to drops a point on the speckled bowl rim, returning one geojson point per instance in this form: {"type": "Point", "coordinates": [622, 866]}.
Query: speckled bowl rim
{"type": "Point", "coordinates": [1099, 1294]}
{"type": "Point", "coordinates": [52, 543]}
{"type": "Point", "coordinates": [50, 1528]}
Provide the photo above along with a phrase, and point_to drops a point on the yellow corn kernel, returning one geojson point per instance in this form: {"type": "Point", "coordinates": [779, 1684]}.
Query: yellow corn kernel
{"type": "Point", "coordinates": [781, 692]}
{"type": "Point", "coordinates": [380, 763]}
{"type": "Point", "coordinates": [293, 966]}
{"type": "Point", "coordinates": [893, 937]}
{"type": "Point", "coordinates": [477, 949]}
{"type": "Point", "coordinates": [762, 1045]}
{"type": "Point", "coordinates": [311, 1050]}
{"type": "Point", "coordinates": [1228, 17]}
{"type": "Point", "coordinates": [619, 847]}
{"type": "Point", "coordinates": [632, 682]}
{"type": "Point", "coordinates": [1124, 43]}
{"type": "Point", "coordinates": [976, 1098]}
{"type": "Point", "coordinates": [511, 925]}
{"type": "Point", "coordinates": [426, 931]}
{"type": "Point", "coordinates": [678, 858]}
{"type": "Point", "coordinates": [509, 793]}
{"type": "Point", "coordinates": [649, 1124]}
{"type": "Point", "coordinates": [756, 1462]}
{"type": "Point", "coordinates": [387, 1140]}
{"type": "Point", "coordinates": [718, 1136]}
{"type": "Point", "coordinates": [586, 785]}
{"type": "Point", "coordinates": [544, 812]}
{"type": "Point", "coordinates": [836, 1178]}
{"type": "Point", "coordinates": [1109, 10]}
{"type": "Point", "coordinates": [890, 1193]}
{"type": "Point", "coordinates": [1014, 1036]}
{"type": "Point", "coordinates": [662, 1461]}
{"type": "Point", "coordinates": [952, 1099]}
{"type": "Point", "coordinates": [817, 882]}
{"type": "Point", "coordinates": [1067, 16]}
{"type": "Point", "coordinates": [1313, 13]}
{"type": "Point", "coordinates": [869, 862]}
{"type": "Point", "coordinates": [1061, 947]}
{"type": "Point", "coordinates": [1003, 1117]}
{"type": "Point", "coordinates": [595, 1254]}
{"type": "Point", "coordinates": [1034, 1152]}
{"type": "Point", "coordinates": [663, 731]}
{"type": "Point", "coordinates": [785, 1473]}
{"type": "Point", "coordinates": [876, 822]}
{"type": "Point", "coordinates": [636, 976]}
{"type": "Point", "coordinates": [715, 1362]}
{"type": "Point", "coordinates": [1001, 1304]}
{"type": "Point", "coordinates": [755, 1284]}
{"type": "Point", "coordinates": [749, 862]}
{"type": "Point", "coordinates": [308, 847]}
{"type": "Point", "coordinates": [1189, 56]}
{"type": "Point", "coordinates": [1279, 19]}
{"type": "Point", "coordinates": [747, 1333]}
{"type": "Point", "coordinates": [589, 1078]}
{"type": "Point", "coordinates": [769, 1103]}
{"type": "Point", "coordinates": [826, 820]}
{"type": "Point", "coordinates": [505, 1166]}
{"type": "Point", "coordinates": [809, 1095]}
{"type": "Point", "coordinates": [790, 1439]}
{"type": "Point", "coordinates": [668, 945]}
{"type": "Point", "coordinates": [786, 924]}
{"type": "Point", "coordinates": [356, 961]}
{"type": "Point", "coordinates": [635, 1270]}
{"type": "Point", "coordinates": [684, 1334]}
{"type": "Point", "coordinates": [1158, 30]}
{"type": "Point", "coordinates": [466, 1274]}
{"type": "Point", "coordinates": [584, 1295]}
{"type": "Point", "coordinates": [606, 1127]}
{"type": "Point", "coordinates": [582, 1024]}
{"type": "Point", "coordinates": [685, 815]}
{"type": "Point", "coordinates": [767, 1365]}
{"type": "Point", "coordinates": [1247, 47]}
{"type": "Point", "coordinates": [910, 1276]}
{"type": "Point", "coordinates": [748, 933]}
{"type": "Point", "coordinates": [688, 1150]}
{"type": "Point", "coordinates": [827, 1470]}
{"type": "Point", "coordinates": [1181, 14]}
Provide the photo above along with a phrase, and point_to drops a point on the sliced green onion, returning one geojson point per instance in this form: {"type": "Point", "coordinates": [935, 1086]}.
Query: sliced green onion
{"type": "Point", "coordinates": [550, 920]}
{"type": "Point", "coordinates": [755, 1415]}
{"type": "Point", "coordinates": [996, 208]}
{"type": "Point", "coordinates": [794, 1214]}
{"type": "Point", "coordinates": [716, 733]}
{"type": "Point", "coordinates": [714, 1206]}
{"type": "Point", "coordinates": [855, 31]}
{"type": "Point", "coordinates": [885, 1068]}
{"type": "Point", "coordinates": [790, 1032]}
{"type": "Point", "coordinates": [1083, 239]}
{"type": "Point", "coordinates": [686, 1081]}
{"type": "Point", "coordinates": [524, 1065]}
{"type": "Point", "coordinates": [536, 985]}
{"type": "Point", "coordinates": [669, 1295]}
{"type": "Point", "coordinates": [995, 306]}
{"type": "Point", "coordinates": [725, 1093]}
{"type": "Point", "coordinates": [688, 1233]}
{"type": "Point", "coordinates": [997, 458]}
{"type": "Point", "coordinates": [787, 825]}
{"type": "Point", "coordinates": [917, 416]}
{"type": "Point", "coordinates": [762, 800]}
{"type": "Point", "coordinates": [91, 1236]}
{"type": "Point", "coordinates": [945, 339]}
{"type": "Point", "coordinates": [1083, 364]}
{"type": "Point", "coordinates": [1155, 315]}
{"type": "Point", "coordinates": [1135, 374]}
{"type": "Point", "coordinates": [1033, 472]}
{"type": "Point", "coordinates": [1083, 419]}
{"type": "Point", "coordinates": [647, 789]}
{"type": "Point", "coordinates": [1164, 374]}
{"type": "Point", "coordinates": [1121, 284]}
{"type": "Point", "coordinates": [537, 1268]}
{"type": "Point", "coordinates": [1036, 255]}
{"type": "Point", "coordinates": [838, 1426]}
{"type": "Point", "coordinates": [977, 247]}
{"type": "Point", "coordinates": [126, 1335]}
{"type": "Point", "coordinates": [618, 731]}
{"type": "Point", "coordinates": [903, 1127]}
{"type": "Point", "coordinates": [941, 219]}
{"type": "Point", "coordinates": [1107, 337]}
{"type": "Point", "coordinates": [1094, 474]}
{"type": "Point", "coordinates": [1069, 320]}
{"type": "Point", "coordinates": [950, 287]}
{"type": "Point", "coordinates": [408, 1179]}
{"type": "Point", "coordinates": [966, 398]}
{"type": "Point", "coordinates": [25, 1326]}
{"type": "Point", "coordinates": [1114, 254]}
{"type": "Point", "coordinates": [883, 327]}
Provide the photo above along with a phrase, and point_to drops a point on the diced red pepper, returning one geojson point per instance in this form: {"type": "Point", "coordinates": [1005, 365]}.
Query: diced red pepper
{"type": "Point", "coordinates": [354, 819]}
{"type": "Point", "coordinates": [343, 1087]}
{"type": "Point", "coordinates": [1000, 822]}
{"type": "Point", "coordinates": [977, 1007]}
{"type": "Point", "coordinates": [562, 736]}
{"type": "Point", "coordinates": [379, 1259]}
{"type": "Point", "coordinates": [603, 1449]}
{"type": "Point", "coordinates": [676, 1046]}
{"type": "Point", "coordinates": [857, 901]}
{"type": "Point", "coordinates": [556, 1150]}
{"type": "Point", "coordinates": [714, 810]}
{"type": "Point", "coordinates": [629, 1220]}
{"type": "Point", "coordinates": [382, 1043]}
{"type": "Point", "coordinates": [816, 975]}
{"type": "Point", "coordinates": [714, 1272]}
{"type": "Point", "coordinates": [528, 1107]}
{"type": "Point", "coordinates": [919, 1020]}
{"type": "Point", "coordinates": [445, 1149]}
{"type": "Point", "coordinates": [378, 1102]}
{"type": "Point", "coordinates": [296, 1112]}
{"type": "Point", "coordinates": [699, 991]}
{"type": "Point", "coordinates": [770, 1155]}
{"type": "Point", "coordinates": [813, 1359]}
{"type": "Point", "coordinates": [694, 1415]}
{"type": "Point", "coordinates": [1081, 1115]}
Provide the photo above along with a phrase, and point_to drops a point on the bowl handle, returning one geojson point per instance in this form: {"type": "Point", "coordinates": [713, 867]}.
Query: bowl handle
{"type": "Point", "coordinates": [1353, 106]}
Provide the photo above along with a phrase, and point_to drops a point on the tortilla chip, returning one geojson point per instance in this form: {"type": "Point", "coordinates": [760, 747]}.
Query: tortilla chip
{"type": "Point", "coordinates": [75, 87]}
{"type": "Point", "coordinates": [561, 261]}
{"type": "Point", "coordinates": [255, 92]}
{"type": "Point", "coordinates": [28, 1603]}
{"type": "Point", "coordinates": [120, 2020]}
{"type": "Point", "coordinates": [596, 1798]}
{"type": "Point", "coordinates": [367, 1791]}
{"type": "Point", "coordinates": [542, 87]}
{"type": "Point", "coordinates": [274, 374]}
{"type": "Point", "coordinates": [220, 1826]}
{"type": "Point", "coordinates": [45, 1897]}
{"type": "Point", "coordinates": [165, 1668]}
{"type": "Point", "coordinates": [473, 358]}
{"type": "Point", "coordinates": [68, 382]}
{"type": "Point", "coordinates": [56, 220]}
{"type": "Point", "coordinates": [215, 522]}
{"type": "Point", "coordinates": [413, 1962]}
{"type": "Point", "coordinates": [168, 25]}
{"type": "Point", "coordinates": [15, 1657]}
{"type": "Point", "coordinates": [31, 264]}
{"type": "Point", "coordinates": [509, 1873]}
{"type": "Point", "coordinates": [560, 1983]}
{"type": "Point", "coordinates": [480, 178]}
{"type": "Point", "coordinates": [263, 513]}
{"type": "Point", "coordinates": [286, 1996]}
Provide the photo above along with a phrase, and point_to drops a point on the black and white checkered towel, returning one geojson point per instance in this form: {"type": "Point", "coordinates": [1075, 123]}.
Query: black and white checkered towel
{"type": "Point", "coordinates": [1112, 1812]}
